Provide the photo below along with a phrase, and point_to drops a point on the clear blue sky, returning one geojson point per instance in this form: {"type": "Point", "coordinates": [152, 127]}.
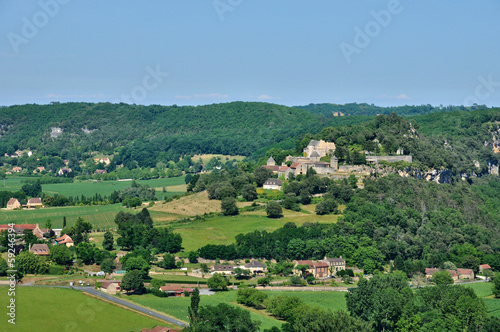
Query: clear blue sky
{"type": "Point", "coordinates": [286, 52]}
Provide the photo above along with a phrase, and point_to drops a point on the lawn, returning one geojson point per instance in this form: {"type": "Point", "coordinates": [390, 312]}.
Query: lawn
{"type": "Point", "coordinates": [55, 309]}
{"type": "Point", "coordinates": [327, 300]}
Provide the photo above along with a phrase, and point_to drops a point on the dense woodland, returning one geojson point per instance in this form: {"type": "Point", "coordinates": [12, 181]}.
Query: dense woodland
{"type": "Point", "coordinates": [141, 137]}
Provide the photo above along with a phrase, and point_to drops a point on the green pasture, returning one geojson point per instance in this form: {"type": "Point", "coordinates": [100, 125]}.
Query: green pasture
{"type": "Point", "coordinates": [55, 309]}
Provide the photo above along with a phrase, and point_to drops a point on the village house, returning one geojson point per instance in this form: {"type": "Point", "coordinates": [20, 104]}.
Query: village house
{"type": "Point", "coordinates": [13, 203]}
{"type": "Point", "coordinates": [100, 171]}
{"type": "Point", "coordinates": [223, 269]}
{"type": "Point", "coordinates": [16, 169]}
{"type": "Point", "coordinates": [66, 240]}
{"type": "Point", "coordinates": [175, 290]}
{"type": "Point", "coordinates": [34, 203]}
{"type": "Point", "coordinates": [38, 232]}
{"type": "Point", "coordinates": [255, 267]}
{"type": "Point", "coordinates": [40, 249]}
{"type": "Point", "coordinates": [484, 267]}
{"type": "Point", "coordinates": [335, 264]}
{"type": "Point", "coordinates": [273, 184]}
{"type": "Point", "coordinates": [111, 287]}
{"type": "Point", "coordinates": [317, 269]}
{"type": "Point", "coordinates": [465, 274]}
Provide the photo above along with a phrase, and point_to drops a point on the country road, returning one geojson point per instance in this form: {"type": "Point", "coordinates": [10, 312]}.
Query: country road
{"type": "Point", "coordinates": [127, 304]}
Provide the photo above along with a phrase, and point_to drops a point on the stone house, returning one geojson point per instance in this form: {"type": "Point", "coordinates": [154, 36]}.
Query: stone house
{"type": "Point", "coordinates": [222, 269]}
{"type": "Point", "coordinates": [466, 274]}
{"type": "Point", "coordinates": [484, 267]}
{"type": "Point", "coordinates": [40, 249]}
{"type": "Point", "coordinates": [34, 203]}
{"type": "Point", "coordinates": [336, 264]}
{"type": "Point", "coordinates": [13, 203]}
{"type": "Point", "coordinates": [255, 267]}
{"type": "Point", "coordinates": [316, 269]}
{"type": "Point", "coordinates": [273, 184]}
{"type": "Point", "coordinates": [111, 287]}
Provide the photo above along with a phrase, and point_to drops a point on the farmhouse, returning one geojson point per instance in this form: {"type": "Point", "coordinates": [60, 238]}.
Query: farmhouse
{"type": "Point", "coordinates": [337, 264]}
{"type": "Point", "coordinates": [274, 184]}
{"type": "Point", "coordinates": [13, 204]}
{"type": "Point", "coordinates": [255, 267]}
{"type": "Point", "coordinates": [175, 290]}
{"type": "Point", "coordinates": [223, 269]}
{"type": "Point", "coordinates": [16, 169]}
{"type": "Point", "coordinates": [100, 171]}
{"type": "Point", "coordinates": [39, 169]}
{"type": "Point", "coordinates": [465, 274]}
{"type": "Point", "coordinates": [40, 249]}
{"type": "Point", "coordinates": [317, 269]}
{"type": "Point", "coordinates": [34, 203]}
{"type": "Point", "coordinates": [18, 228]}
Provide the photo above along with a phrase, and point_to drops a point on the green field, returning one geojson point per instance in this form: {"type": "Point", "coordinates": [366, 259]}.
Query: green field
{"type": "Point", "coordinates": [485, 291]}
{"type": "Point", "coordinates": [99, 216]}
{"type": "Point", "coordinates": [222, 230]}
{"type": "Point", "coordinates": [56, 309]}
{"type": "Point", "coordinates": [89, 188]}
{"type": "Point", "coordinates": [177, 306]}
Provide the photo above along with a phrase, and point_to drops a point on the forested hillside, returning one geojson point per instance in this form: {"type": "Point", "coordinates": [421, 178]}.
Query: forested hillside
{"type": "Point", "coordinates": [327, 110]}
{"type": "Point", "coordinates": [148, 132]}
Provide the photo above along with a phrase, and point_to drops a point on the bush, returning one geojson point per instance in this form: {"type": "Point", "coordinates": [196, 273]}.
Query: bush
{"type": "Point", "coordinates": [274, 210]}
{"type": "Point", "coordinates": [251, 297]}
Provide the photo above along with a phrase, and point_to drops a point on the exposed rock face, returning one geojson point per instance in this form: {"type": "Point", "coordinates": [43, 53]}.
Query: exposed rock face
{"type": "Point", "coordinates": [438, 176]}
{"type": "Point", "coordinates": [493, 168]}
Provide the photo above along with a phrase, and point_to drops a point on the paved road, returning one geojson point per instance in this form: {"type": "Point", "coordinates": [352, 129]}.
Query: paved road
{"type": "Point", "coordinates": [108, 297]}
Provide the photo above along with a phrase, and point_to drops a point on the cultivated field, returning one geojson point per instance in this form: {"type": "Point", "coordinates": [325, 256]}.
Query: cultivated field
{"type": "Point", "coordinates": [55, 309]}
{"type": "Point", "coordinates": [173, 186]}
{"type": "Point", "coordinates": [99, 216]}
{"type": "Point", "coordinates": [206, 157]}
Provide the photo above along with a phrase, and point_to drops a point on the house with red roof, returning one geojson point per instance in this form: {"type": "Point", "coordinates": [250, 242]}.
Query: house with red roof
{"type": "Point", "coordinates": [65, 240]}
{"type": "Point", "coordinates": [484, 267]}
{"type": "Point", "coordinates": [175, 290]}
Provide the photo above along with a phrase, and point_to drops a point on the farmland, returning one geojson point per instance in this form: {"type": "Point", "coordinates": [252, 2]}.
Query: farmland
{"type": "Point", "coordinates": [36, 309]}
{"type": "Point", "coordinates": [172, 185]}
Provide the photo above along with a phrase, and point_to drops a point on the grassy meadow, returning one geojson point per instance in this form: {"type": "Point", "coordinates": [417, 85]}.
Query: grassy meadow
{"type": "Point", "coordinates": [484, 290]}
{"type": "Point", "coordinates": [55, 309]}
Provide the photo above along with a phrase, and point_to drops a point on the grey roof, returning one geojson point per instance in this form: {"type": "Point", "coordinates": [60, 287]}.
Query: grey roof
{"type": "Point", "coordinates": [314, 143]}
{"type": "Point", "coordinates": [223, 267]}
{"type": "Point", "coordinates": [273, 182]}
{"type": "Point", "coordinates": [338, 260]}
{"type": "Point", "coordinates": [315, 154]}
{"type": "Point", "coordinates": [270, 159]}
{"type": "Point", "coordinates": [256, 264]}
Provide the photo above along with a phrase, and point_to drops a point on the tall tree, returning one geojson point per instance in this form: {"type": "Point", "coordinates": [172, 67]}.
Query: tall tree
{"type": "Point", "coordinates": [107, 243]}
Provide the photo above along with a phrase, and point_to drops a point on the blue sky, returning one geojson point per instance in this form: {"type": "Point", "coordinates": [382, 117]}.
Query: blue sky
{"type": "Point", "coordinates": [285, 52]}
